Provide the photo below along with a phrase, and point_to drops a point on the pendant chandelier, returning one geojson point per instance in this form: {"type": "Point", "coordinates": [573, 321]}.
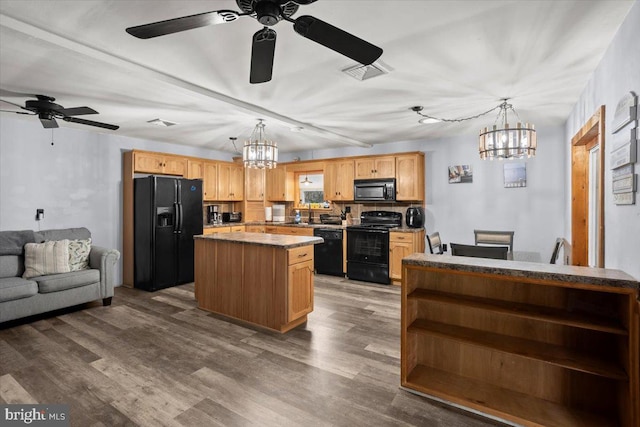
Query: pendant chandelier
{"type": "Point", "coordinates": [500, 141]}
{"type": "Point", "coordinates": [259, 152]}
{"type": "Point", "coordinates": [505, 142]}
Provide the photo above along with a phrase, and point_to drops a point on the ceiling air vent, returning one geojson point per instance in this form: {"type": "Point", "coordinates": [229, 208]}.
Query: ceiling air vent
{"type": "Point", "coordinates": [160, 122]}
{"type": "Point", "coordinates": [365, 72]}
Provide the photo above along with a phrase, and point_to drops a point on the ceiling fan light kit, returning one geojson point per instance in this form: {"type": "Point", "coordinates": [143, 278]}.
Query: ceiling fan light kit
{"type": "Point", "coordinates": [259, 152]}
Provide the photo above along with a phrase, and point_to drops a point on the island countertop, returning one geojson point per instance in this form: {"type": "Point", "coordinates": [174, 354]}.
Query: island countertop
{"type": "Point", "coordinates": [528, 270]}
{"type": "Point", "coordinates": [262, 239]}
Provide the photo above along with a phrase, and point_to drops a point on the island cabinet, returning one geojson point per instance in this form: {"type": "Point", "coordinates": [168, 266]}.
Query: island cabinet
{"type": "Point", "coordinates": [338, 180]}
{"type": "Point", "coordinates": [262, 279]}
{"type": "Point", "coordinates": [533, 344]}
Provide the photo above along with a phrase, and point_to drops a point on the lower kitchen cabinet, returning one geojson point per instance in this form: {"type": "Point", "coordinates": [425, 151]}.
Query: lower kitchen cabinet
{"type": "Point", "coordinates": [300, 282]}
{"type": "Point", "coordinates": [401, 245]}
{"type": "Point", "coordinates": [254, 228]}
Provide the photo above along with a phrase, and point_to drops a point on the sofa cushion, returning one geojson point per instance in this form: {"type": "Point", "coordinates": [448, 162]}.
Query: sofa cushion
{"type": "Point", "coordinates": [11, 266]}
{"type": "Point", "coordinates": [60, 282]}
{"type": "Point", "coordinates": [12, 288]}
{"type": "Point", "coordinates": [62, 233]}
{"type": "Point", "coordinates": [45, 258]}
{"type": "Point", "coordinates": [79, 254]}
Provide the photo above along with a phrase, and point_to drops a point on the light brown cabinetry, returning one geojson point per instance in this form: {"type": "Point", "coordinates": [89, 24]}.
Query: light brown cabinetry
{"type": "Point", "coordinates": [237, 228]}
{"type": "Point", "coordinates": [210, 181]}
{"type": "Point", "coordinates": [280, 185]}
{"type": "Point", "coordinates": [375, 167]}
{"type": "Point", "coordinates": [402, 244]}
{"type": "Point", "coordinates": [338, 180]}
{"type": "Point", "coordinates": [532, 344]}
{"type": "Point", "coordinates": [254, 184]}
{"type": "Point", "coordinates": [265, 285]}
{"type": "Point", "coordinates": [410, 177]}
{"type": "Point", "coordinates": [230, 182]}
{"type": "Point", "coordinates": [156, 163]}
{"type": "Point", "coordinates": [254, 228]}
{"type": "Point", "coordinates": [195, 169]}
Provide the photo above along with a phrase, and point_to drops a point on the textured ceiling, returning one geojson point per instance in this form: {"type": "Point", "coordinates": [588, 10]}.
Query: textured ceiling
{"type": "Point", "coordinates": [455, 58]}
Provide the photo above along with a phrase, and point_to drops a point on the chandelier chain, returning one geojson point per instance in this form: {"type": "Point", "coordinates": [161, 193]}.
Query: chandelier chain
{"type": "Point", "coordinates": [462, 119]}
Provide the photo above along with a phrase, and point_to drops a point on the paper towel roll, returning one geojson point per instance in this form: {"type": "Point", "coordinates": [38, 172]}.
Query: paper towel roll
{"type": "Point", "coordinates": [268, 215]}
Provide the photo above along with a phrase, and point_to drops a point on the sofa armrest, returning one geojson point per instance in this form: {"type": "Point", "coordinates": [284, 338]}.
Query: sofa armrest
{"type": "Point", "coordinates": [105, 260]}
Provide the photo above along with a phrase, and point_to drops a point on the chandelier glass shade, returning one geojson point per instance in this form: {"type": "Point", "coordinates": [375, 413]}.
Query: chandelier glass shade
{"type": "Point", "coordinates": [505, 142]}
{"type": "Point", "coordinates": [259, 152]}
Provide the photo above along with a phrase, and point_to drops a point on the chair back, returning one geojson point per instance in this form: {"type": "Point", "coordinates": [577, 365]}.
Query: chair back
{"type": "Point", "coordinates": [495, 252]}
{"type": "Point", "coordinates": [434, 243]}
{"type": "Point", "coordinates": [556, 250]}
{"type": "Point", "coordinates": [492, 237]}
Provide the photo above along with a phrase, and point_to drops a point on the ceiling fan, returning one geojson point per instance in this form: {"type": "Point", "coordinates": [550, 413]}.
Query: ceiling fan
{"type": "Point", "coordinates": [47, 111]}
{"type": "Point", "coordinates": [268, 13]}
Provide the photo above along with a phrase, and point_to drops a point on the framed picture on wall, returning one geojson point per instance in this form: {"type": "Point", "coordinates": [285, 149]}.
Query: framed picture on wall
{"type": "Point", "coordinates": [460, 174]}
{"type": "Point", "coordinates": [515, 174]}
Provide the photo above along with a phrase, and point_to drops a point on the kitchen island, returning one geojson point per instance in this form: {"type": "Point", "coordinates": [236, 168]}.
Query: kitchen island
{"type": "Point", "coordinates": [262, 279]}
{"type": "Point", "coordinates": [530, 343]}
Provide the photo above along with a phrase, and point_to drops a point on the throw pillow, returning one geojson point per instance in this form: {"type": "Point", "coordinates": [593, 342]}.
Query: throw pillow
{"type": "Point", "coordinates": [79, 254]}
{"type": "Point", "coordinates": [46, 258]}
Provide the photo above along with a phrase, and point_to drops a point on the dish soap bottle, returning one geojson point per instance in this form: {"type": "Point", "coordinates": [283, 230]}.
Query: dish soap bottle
{"type": "Point", "coordinates": [297, 218]}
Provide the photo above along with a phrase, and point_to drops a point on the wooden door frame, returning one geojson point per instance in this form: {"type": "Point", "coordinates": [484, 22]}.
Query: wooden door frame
{"type": "Point", "coordinates": [590, 135]}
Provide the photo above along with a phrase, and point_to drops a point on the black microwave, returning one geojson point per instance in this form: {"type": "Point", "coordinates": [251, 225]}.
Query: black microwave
{"type": "Point", "coordinates": [374, 190]}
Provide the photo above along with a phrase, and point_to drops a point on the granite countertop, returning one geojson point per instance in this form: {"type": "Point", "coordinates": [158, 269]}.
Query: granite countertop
{"type": "Point", "coordinates": [305, 225]}
{"type": "Point", "coordinates": [261, 239]}
{"type": "Point", "coordinates": [530, 270]}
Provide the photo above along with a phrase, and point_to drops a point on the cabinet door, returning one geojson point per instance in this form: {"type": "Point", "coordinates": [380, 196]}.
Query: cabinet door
{"type": "Point", "coordinates": [224, 182]}
{"type": "Point", "coordinates": [410, 177]}
{"type": "Point", "coordinates": [280, 185]}
{"type": "Point", "coordinates": [397, 251]}
{"type": "Point", "coordinates": [175, 166]}
{"type": "Point", "coordinates": [236, 182]}
{"type": "Point", "coordinates": [255, 228]}
{"type": "Point", "coordinates": [236, 228]}
{"type": "Point", "coordinates": [195, 169]}
{"type": "Point", "coordinates": [364, 168]}
{"type": "Point", "coordinates": [330, 190]}
{"type": "Point", "coordinates": [254, 184]}
{"type": "Point", "coordinates": [299, 290]}
{"type": "Point", "coordinates": [210, 181]}
{"type": "Point", "coordinates": [148, 163]}
{"type": "Point", "coordinates": [384, 167]}
{"type": "Point", "coordinates": [344, 179]}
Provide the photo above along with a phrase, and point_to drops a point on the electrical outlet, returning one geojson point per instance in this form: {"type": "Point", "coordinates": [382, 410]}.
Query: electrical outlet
{"type": "Point", "coordinates": [39, 214]}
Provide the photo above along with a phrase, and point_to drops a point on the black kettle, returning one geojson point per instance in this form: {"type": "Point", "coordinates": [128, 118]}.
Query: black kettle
{"type": "Point", "coordinates": [415, 217]}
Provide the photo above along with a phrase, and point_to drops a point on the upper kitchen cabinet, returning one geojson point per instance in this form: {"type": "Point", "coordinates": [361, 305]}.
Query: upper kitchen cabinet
{"type": "Point", "coordinates": [195, 169]}
{"type": "Point", "coordinates": [156, 163]}
{"type": "Point", "coordinates": [254, 184]}
{"type": "Point", "coordinates": [230, 182]}
{"type": "Point", "coordinates": [410, 177]}
{"type": "Point", "coordinates": [375, 167]}
{"type": "Point", "coordinates": [210, 181]}
{"type": "Point", "coordinates": [280, 185]}
{"type": "Point", "coordinates": [338, 180]}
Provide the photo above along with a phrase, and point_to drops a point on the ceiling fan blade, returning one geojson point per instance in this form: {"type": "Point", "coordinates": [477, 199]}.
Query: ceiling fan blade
{"type": "Point", "coordinates": [336, 39]}
{"type": "Point", "coordinates": [303, 2]}
{"type": "Point", "coordinates": [17, 112]}
{"type": "Point", "coordinates": [184, 23]}
{"type": "Point", "coordinates": [77, 111]}
{"type": "Point", "coordinates": [48, 123]}
{"type": "Point", "coordinates": [262, 53]}
{"type": "Point", "coordinates": [90, 123]}
{"type": "Point", "coordinates": [4, 92]}
{"type": "Point", "coordinates": [12, 103]}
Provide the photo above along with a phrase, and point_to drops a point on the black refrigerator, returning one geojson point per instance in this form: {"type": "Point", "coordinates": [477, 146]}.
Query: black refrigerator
{"type": "Point", "coordinates": [167, 214]}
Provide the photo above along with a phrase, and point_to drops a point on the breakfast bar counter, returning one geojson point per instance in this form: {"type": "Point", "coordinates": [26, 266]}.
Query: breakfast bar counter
{"type": "Point", "coordinates": [527, 343]}
{"type": "Point", "coordinates": [262, 279]}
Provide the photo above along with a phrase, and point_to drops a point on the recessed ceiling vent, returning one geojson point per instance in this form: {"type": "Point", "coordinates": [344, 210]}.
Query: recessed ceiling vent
{"type": "Point", "coordinates": [160, 122]}
{"type": "Point", "coordinates": [365, 72]}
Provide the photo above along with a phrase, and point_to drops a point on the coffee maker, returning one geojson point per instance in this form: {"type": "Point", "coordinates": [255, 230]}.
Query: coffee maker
{"type": "Point", "coordinates": [213, 214]}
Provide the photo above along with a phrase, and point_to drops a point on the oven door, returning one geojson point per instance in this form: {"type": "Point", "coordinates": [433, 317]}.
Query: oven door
{"type": "Point", "coordinates": [368, 245]}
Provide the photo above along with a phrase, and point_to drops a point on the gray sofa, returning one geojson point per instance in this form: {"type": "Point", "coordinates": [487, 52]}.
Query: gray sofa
{"type": "Point", "coordinates": [25, 297]}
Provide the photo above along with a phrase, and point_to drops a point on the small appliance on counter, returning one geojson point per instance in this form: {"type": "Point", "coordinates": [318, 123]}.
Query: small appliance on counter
{"type": "Point", "coordinates": [330, 219]}
{"type": "Point", "coordinates": [415, 217]}
{"type": "Point", "coordinates": [268, 214]}
{"type": "Point", "coordinates": [278, 213]}
{"type": "Point", "coordinates": [213, 215]}
{"type": "Point", "coordinates": [231, 216]}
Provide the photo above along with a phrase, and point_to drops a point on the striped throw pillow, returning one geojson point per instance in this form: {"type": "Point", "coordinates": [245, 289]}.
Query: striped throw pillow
{"type": "Point", "coordinates": [79, 254]}
{"type": "Point", "coordinates": [45, 258]}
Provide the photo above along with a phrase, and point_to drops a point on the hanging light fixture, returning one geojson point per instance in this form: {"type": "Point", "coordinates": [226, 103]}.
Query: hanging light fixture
{"type": "Point", "coordinates": [502, 142]}
{"type": "Point", "coordinates": [505, 142]}
{"type": "Point", "coordinates": [259, 152]}
{"type": "Point", "coordinates": [306, 180]}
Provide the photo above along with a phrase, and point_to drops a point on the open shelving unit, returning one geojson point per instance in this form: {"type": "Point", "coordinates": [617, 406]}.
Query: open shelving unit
{"type": "Point", "coordinates": [536, 351]}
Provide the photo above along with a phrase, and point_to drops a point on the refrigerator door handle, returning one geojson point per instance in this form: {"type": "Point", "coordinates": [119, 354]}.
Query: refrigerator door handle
{"type": "Point", "coordinates": [176, 218]}
{"type": "Point", "coordinates": [180, 224]}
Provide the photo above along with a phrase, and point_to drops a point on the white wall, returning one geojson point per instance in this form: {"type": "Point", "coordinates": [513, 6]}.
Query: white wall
{"type": "Point", "coordinates": [617, 74]}
{"type": "Point", "coordinates": [535, 212]}
{"type": "Point", "coordinates": [77, 181]}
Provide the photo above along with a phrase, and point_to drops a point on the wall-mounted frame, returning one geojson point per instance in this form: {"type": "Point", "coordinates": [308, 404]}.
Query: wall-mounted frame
{"type": "Point", "coordinates": [626, 111]}
{"type": "Point", "coordinates": [460, 174]}
{"type": "Point", "coordinates": [515, 174]}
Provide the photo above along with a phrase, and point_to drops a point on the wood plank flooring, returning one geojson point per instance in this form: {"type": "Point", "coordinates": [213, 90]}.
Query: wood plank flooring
{"type": "Point", "coordinates": [154, 359]}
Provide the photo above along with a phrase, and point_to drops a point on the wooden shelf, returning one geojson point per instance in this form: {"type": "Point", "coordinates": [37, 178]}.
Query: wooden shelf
{"type": "Point", "coordinates": [544, 352]}
{"type": "Point", "coordinates": [527, 311]}
{"type": "Point", "coordinates": [500, 402]}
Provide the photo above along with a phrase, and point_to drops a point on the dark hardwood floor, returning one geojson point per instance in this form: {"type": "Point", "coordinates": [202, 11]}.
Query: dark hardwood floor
{"type": "Point", "coordinates": [154, 359]}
